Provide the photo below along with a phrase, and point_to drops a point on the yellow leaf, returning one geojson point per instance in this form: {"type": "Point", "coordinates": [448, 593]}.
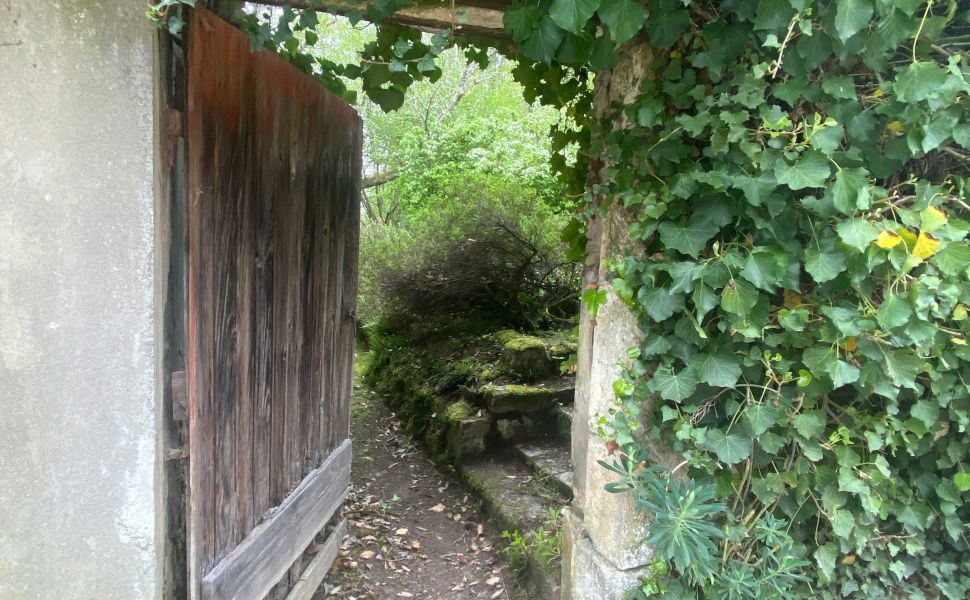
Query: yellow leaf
{"type": "Point", "coordinates": [675, 54]}
{"type": "Point", "coordinates": [888, 239]}
{"type": "Point", "coordinates": [909, 238]}
{"type": "Point", "coordinates": [849, 559]}
{"type": "Point", "coordinates": [850, 344]}
{"type": "Point", "coordinates": [894, 127]}
{"type": "Point", "coordinates": [960, 313]}
{"type": "Point", "coordinates": [926, 245]}
{"type": "Point", "coordinates": [932, 219]}
{"type": "Point", "coordinates": [960, 341]}
{"type": "Point", "coordinates": [791, 299]}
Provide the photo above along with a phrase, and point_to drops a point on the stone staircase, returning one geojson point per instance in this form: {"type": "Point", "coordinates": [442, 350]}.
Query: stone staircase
{"type": "Point", "coordinates": [518, 463]}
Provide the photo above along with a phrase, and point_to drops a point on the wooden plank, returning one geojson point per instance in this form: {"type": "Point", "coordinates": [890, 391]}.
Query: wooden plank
{"type": "Point", "coordinates": [318, 568]}
{"type": "Point", "coordinates": [263, 354]}
{"type": "Point", "coordinates": [263, 558]}
{"type": "Point", "coordinates": [245, 265]}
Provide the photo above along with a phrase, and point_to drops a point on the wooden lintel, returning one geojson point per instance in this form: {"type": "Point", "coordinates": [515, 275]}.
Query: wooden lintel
{"type": "Point", "coordinates": [264, 556]}
{"type": "Point", "coordinates": [313, 575]}
{"type": "Point", "coordinates": [467, 18]}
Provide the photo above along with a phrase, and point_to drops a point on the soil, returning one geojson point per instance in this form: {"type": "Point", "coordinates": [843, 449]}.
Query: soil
{"type": "Point", "coordinates": [413, 531]}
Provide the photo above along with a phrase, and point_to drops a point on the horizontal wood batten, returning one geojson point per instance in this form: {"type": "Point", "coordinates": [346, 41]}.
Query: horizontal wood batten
{"type": "Point", "coordinates": [252, 569]}
{"type": "Point", "coordinates": [313, 575]}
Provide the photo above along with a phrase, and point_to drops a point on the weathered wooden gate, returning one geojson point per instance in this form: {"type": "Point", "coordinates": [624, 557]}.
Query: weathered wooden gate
{"type": "Point", "coordinates": [273, 165]}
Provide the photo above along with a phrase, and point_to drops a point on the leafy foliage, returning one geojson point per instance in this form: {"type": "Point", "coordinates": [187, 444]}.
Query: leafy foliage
{"type": "Point", "coordinates": [796, 178]}
{"type": "Point", "coordinates": [482, 245]}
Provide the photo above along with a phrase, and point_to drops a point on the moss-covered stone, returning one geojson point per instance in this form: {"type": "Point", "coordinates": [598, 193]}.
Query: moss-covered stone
{"type": "Point", "coordinates": [516, 398]}
{"type": "Point", "coordinates": [524, 357]}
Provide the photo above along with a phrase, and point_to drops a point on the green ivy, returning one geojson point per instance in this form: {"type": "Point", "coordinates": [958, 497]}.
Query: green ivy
{"type": "Point", "coordinates": [795, 176]}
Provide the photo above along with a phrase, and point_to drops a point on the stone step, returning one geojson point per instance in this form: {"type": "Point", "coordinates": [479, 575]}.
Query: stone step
{"type": "Point", "coordinates": [516, 499]}
{"type": "Point", "coordinates": [550, 459]}
{"type": "Point", "coordinates": [519, 398]}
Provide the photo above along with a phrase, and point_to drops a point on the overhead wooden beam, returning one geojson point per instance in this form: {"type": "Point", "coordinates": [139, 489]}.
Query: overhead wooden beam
{"type": "Point", "coordinates": [468, 17]}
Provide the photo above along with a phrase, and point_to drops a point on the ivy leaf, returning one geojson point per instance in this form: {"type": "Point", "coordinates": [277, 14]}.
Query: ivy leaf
{"type": "Point", "coordinates": [849, 185]}
{"type": "Point", "coordinates": [895, 27]}
{"type": "Point", "coordinates": [739, 297]}
{"type": "Point", "coordinates": [718, 370]}
{"type": "Point", "coordinates": [764, 269]}
{"type": "Point", "coordinates": [842, 523]}
{"type": "Point", "coordinates": [674, 386]}
{"type": "Point", "coordinates": [857, 233]}
{"type": "Point", "coordinates": [809, 424]}
{"type": "Point", "coordinates": [730, 449]}
{"type": "Point", "coordinates": [667, 23]}
{"type": "Point", "coordinates": [953, 259]}
{"type": "Point", "coordinates": [604, 56]}
{"type": "Point", "coordinates": [812, 169]}
{"type": "Point", "coordinates": [690, 238]}
{"type": "Point", "coordinates": [919, 81]}
{"type": "Point", "coordinates": [895, 311]}
{"type": "Point", "coordinates": [654, 345]}
{"type": "Point", "coordinates": [962, 481]}
{"type": "Point", "coordinates": [387, 98]}
{"type": "Point", "coordinates": [761, 417]}
{"type": "Point", "coordinates": [575, 49]}
{"type": "Point", "coordinates": [623, 17]}
{"type": "Point", "coordinates": [851, 17]}
{"type": "Point", "coordinates": [824, 266]}
{"type": "Point", "coordinates": [926, 411]}
{"type": "Point", "coordinates": [543, 42]}
{"type": "Point", "coordinates": [658, 303]}
{"type": "Point", "coordinates": [794, 319]}
{"type": "Point", "coordinates": [842, 373]}
{"type": "Point", "coordinates": [521, 21]}
{"type": "Point", "coordinates": [572, 15]}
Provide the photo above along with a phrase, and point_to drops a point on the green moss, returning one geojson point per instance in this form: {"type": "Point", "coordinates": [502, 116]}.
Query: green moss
{"type": "Point", "coordinates": [459, 411]}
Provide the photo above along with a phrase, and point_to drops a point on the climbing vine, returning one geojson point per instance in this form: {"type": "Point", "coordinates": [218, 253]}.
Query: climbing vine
{"type": "Point", "coordinates": [794, 177]}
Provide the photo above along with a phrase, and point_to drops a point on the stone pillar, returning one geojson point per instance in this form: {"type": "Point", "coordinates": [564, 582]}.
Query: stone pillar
{"type": "Point", "coordinates": [79, 443]}
{"type": "Point", "coordinates": [604, 554]}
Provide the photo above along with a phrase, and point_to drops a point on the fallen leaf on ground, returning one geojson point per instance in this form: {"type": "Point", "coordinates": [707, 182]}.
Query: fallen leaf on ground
{"type": "Point", "coordinates": [367, 554]}
{"type": "Point", "coordinates": [415, 545]}
{"type": "Point", "coordinates": [437, 508]}
{"type": "Point", "coordinates": [492, 580]}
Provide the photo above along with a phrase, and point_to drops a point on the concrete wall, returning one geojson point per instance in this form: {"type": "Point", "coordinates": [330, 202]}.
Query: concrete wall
{"type": "Point", "coordinates": [77, 315]}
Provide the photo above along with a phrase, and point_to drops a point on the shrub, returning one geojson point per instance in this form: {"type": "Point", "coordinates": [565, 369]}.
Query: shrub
{"type": "Point", "coordinates": [484, 246]}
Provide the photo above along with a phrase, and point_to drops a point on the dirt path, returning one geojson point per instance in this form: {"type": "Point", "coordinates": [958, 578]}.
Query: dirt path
{"type": "Point", "coordinates": [413, 531]}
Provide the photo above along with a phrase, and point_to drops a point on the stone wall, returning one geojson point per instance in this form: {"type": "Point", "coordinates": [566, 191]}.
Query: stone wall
{"type": "Point", "coordinates": [78, 449]}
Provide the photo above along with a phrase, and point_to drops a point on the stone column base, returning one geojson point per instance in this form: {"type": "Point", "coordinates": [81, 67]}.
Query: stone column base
{"type": "Point", "coordinates": [587, 574]}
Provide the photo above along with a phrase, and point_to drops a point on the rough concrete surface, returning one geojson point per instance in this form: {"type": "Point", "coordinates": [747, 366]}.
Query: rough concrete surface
{"type": "Point", "coordinates": [615, 527]}
{"type": "Point", "coordinates": [587, 575]}
{"type": "Point", "coordinates": [77, 342]}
